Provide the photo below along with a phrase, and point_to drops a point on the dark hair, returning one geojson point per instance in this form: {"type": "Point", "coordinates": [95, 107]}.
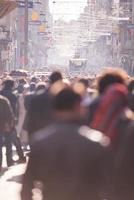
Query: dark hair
{"type": "Point", "coordinates": [22, 81]}
{"type": "Point", "coordinates": [110, 77]}
{"type": "Point", "coordinates": [33, 79]}
{"type": "Point", "coordinates": [8, 84]}
{"type": "Point", "coordinates": [85, 82]}
{"type": "Point", "coordinates": [55, 76]}
{"type": "Point", "coordinates": [41, 86]}
{"type": "Point", "coordinates": [66, 100]}
{"type": "Point", "coordinates": [32, 87]}
{"type": "Point", "coordinates": [20, 88]}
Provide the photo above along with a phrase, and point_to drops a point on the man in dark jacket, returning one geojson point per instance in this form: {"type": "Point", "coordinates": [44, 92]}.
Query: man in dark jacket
{"type": "Point", "coordinates": [6, 126]}
{"type": "Point", "coordinates": [7, 92]}
{"type": "Point", "coordinates": [67, 160]}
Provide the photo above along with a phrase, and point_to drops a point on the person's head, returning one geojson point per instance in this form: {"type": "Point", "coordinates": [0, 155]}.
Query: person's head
{"type": "Point", "coordinates": [85, 82]}
{"type": "Point", "coordinates": [67, 104]}
{"type": "Point", "coordinates": [20, 88]}
{"type": "Point", "coordinates": [79, 88]}
{"type": "Point", "coordinates": [32, 87]}
{"type": "Point", "coordinates": [22, 81]}
{"type": "Point", "coordinates": [41, 86]}
{"type": "Point", "coordinates": [55, 76]}
{"type": "Point", "coordinates": [33, 79]}
{"type": "Point", "coordinates": [111, 77]}
{"type": "Point", "coordinates": [8, 84]}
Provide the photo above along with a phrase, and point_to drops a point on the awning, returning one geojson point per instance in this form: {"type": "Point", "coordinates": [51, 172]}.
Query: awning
{"type": "Point", "coordinates": [6, 7]}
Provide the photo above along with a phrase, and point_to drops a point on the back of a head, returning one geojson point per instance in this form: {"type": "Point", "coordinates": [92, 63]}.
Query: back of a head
{"type": "Point", "coordinates": [85, 82]}
{"type": "Point", "coordinates": [20, 88]}
{"type": "Point", "coordinates": [110, 77]}
{"type": "Point", "coordinates": [55, 76]}
{"type": "Point", "coordinates": [33, 79]}
{"type": "Point", "coordinates": [32, 87]}
{"type": "Point", "coordinates": [8, 84]}
{"type": "Point", "coordinates": [66, 100]}
{"type": "Point", "coordinates": [41, 86]}
{"type": "Point", "coordinates": [22, 81]}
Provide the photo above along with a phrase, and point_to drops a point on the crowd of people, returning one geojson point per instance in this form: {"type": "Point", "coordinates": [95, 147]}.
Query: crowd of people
{"type": "Point", "coordinates": [80, 132]}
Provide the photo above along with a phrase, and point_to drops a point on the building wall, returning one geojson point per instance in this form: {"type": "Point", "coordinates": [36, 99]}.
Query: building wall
{"type": "Point", "coordinates": [7, 42]}
{"type": "Point", "coordinates": [127, 40]}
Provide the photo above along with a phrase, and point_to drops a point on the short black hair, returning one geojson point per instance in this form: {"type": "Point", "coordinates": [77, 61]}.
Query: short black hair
{"type": "Point", "coordinates": [8, 84]}
{"type": "Point", "coordinates": [32, 86]}
{"type": "Point", "coordinates": [66, 100]}
{"type": "Point", "coordinates": [33, 79]}
{"type": "Point", "coordinates": [85, 82]}
{"type": "Point", "coordinates": [20, 88]}
{"type": "Point", "coordinates": [22, 81]}
{"type": "Point", "coordinates": [55, 76]}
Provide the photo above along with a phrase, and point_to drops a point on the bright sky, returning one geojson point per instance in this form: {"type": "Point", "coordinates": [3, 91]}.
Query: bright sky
{"type": "Point", "coordinates": [66, 9]}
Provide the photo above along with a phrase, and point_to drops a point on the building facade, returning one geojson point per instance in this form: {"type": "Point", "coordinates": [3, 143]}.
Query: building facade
{"type": "Point", "coordinates": [7, 33]}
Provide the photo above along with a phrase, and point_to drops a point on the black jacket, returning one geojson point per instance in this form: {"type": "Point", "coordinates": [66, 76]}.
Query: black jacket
{"type": "Point", "coordinates": [11, 97]}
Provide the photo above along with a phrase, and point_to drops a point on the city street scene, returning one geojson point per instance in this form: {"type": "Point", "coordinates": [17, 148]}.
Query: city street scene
{"type": "Point", "coordinates": [66, 99]}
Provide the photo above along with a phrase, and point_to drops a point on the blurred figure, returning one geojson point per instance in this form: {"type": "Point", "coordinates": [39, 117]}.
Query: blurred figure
{"type": "Point", "coordinates": [7, 92]}
{"type": "Point", "coordinates": [40, 109]}
{"type": "Point", "coordinates": [21, 109]}
{"type": "Point", "coordinates": [32, 87]}
{"type": "Point", "coordinates": [131, 94]}
{"type": "Point", "coordinates": [113, 115]}
{"type": "Point", "coordinates": [22, 134]}
{"type": "Point", "coordinates": [22, 81]}
{"type": "Point", "coordinates": [38, 112]}
{"type": "Point", "coordinates": [67, 105]}
{"type": "Point", "coordinates": [40, 87]}
{"type": "Point", "coordinates": [124, 167]}
{"type": "Point", "coordinates": [55, 76]}
{"type": "Point", "coordinates": [7, 122]}
{"type": "Point", "coordinates": [105, 80]}
{"type": "Point", "coordinates": [67, 161]}
{"type": "Point", "coordinates": [33, 80]}
{"type": "Point", "coordinates": [29, 95]}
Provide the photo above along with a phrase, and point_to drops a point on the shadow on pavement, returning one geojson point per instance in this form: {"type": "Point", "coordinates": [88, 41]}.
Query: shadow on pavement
{"type": "Point", "coordinates": [17, 179]}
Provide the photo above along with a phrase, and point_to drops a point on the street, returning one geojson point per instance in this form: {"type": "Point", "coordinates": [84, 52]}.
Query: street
{"type": "Point", "coordinates": [11, 181]}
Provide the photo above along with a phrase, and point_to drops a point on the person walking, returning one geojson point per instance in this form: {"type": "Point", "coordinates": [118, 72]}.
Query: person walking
{"type": "Point", "coordinates": [7, 92]}
{"type": "Point", "coordinates": [6, 127]}
{"type": "Point", "coordinates": [66, 161]}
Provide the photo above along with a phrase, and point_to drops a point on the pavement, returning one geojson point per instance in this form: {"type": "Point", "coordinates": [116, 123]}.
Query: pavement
{"type": "Point", "coordinates": [11, 181]}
